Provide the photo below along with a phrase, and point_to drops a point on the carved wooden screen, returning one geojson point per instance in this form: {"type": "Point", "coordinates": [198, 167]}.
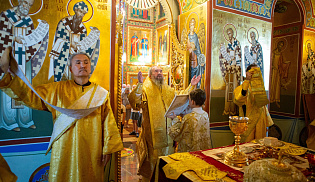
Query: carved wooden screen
{"type": "Point", "coordinates": [179, 61]}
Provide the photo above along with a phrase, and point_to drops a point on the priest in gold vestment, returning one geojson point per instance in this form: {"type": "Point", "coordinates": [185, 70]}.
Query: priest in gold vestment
{"type": "Point", "coordinates": [154, 97]}
{"type": "Point", "coordinates": [81, 149]}
{"type": "Point", "coordinates": [251, 107]}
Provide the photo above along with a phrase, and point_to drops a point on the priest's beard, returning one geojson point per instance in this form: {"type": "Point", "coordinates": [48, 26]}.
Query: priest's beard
{"type": "Point", "coordinates": [76, 22]}
{"type": "Point", "coordinates": [24, 11]}
{"type": "Point", "coordinates": [158, 80]}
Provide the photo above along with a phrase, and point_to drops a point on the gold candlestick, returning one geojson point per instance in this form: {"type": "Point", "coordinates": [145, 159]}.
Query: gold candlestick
{"type": "Point", "coordinates": [238, 126]}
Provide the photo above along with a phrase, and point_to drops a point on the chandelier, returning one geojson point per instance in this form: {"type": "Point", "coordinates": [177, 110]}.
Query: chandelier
{"type": "Point", "coordinates": [142, 4]}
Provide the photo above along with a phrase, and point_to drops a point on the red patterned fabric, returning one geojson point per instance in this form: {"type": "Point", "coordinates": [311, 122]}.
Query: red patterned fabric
{"type": "Point", "coordinates": [232, 173]}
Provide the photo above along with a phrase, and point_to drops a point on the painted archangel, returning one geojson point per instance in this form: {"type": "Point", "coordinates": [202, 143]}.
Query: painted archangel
{"type": "Point", "coordinates": [196, 57]}
{"type": "Point", "coordinates": [230, 66]}
{"type": "Point", "coordinates": [71, 37]}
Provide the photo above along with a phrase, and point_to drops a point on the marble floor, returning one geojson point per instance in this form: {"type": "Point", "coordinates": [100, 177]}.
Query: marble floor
{"type": "Point", "coordinates": [129, 164]}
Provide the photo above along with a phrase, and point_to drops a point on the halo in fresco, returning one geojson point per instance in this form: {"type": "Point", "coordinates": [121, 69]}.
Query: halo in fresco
{"type": "Point", "coordinates": [285, 43]}
{"type": "Point", "coordinates": [227, 26]}
{"type": "Point", "coordinates": [252, 29]}
{"type": "Point", "coordinates": [89, 14]}
{"type": "Point", "coordinates": [308, 41]}
{"type": "Point", "coordinates": [189, 17]}
{"type": "Point", "coordinates": [34, 9]}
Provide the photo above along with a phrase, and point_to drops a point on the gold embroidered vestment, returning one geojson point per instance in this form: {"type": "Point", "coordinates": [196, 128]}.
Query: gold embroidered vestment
{"type": "Point", "coordinates": [77, 154]}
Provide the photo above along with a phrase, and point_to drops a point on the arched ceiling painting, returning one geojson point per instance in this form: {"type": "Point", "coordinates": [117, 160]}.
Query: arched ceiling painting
{"type": "Point", "coordinates": [286, 12]}
{"type": "Point", "coordinates": [262, 9]}
{"type": "Point", "coordinates": [309, 6]}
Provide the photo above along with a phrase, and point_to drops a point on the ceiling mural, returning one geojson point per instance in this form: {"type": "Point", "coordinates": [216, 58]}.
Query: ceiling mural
{"type": "Point", "coordinates": [251, 7]}
{"type": "Point", "coordinates": [187, 5]}
{"type": "Point", "coordinates": [309, 13]}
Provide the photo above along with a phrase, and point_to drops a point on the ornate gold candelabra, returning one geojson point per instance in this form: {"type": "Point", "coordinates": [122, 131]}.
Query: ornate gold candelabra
{"type": "Point", "coordinates": [238, 126]}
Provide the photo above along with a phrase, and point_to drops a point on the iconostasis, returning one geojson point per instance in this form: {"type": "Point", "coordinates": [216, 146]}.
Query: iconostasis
{"type": "Point", "coordinates": [146, 42]}
{"type": "Point", "coordinates": [242, 32]}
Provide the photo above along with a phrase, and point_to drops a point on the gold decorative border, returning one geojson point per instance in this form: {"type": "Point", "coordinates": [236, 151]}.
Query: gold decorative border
{"type": "Point", "coordinates": [119, 46]}
{"type": "Point", "coordinates": [37, 170]}
{"type": "Point", "coordinates": [179, 59]}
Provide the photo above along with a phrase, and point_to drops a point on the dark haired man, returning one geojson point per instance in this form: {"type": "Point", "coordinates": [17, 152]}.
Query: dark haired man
{"type": "Point", "coordinates": [81, 143]}
{"type": "Point", "coordinates": [193, 132]}
{"type": "Point", "coordinates": [70, 37]}
{"type": "Point", "coordinates": [249, 106]}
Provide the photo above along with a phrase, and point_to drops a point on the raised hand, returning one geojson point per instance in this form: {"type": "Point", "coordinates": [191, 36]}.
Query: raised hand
{"type": "Point", "coordinates": [140, 77]}
{"type": "Point", "coordinates": [249, 75]}
{"type": "Point", "coordinates": [172, 115]}
{"type": "Point", "coordinates": [194, 81]}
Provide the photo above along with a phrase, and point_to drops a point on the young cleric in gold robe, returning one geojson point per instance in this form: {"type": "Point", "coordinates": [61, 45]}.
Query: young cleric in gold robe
{"type": "Point", "coordinates": [82, 148]}
{"type": "Point", "coordinates": [193, 132]}
{"type": "Point", "coordinates": [252, 104]}
{"type": "Point", "coordinates": [154, 97]}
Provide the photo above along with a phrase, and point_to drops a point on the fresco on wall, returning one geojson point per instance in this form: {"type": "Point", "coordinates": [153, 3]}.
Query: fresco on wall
{"type": "Point", "coordinates": [139, 46]}
{"type": "Point", "coordinates": [162, 35]}
{"type": "Point", "coordinates": [135, 67]}
{"type": "Point", "coordinates": [230, 65]}
{"type": "Point", "coordinates": [71, 37]}
{"type": "Point", "coordinates": [283, 83]}
{"type": "Point", "coordinates": [280, 70]}
{"type": "Point", "coordinates": [16, 27]}
{"type": "Point", "coordinates": [309, 13]}
{"type": "Point", "coordinates": [140, 15]}
{"type": "Point", "coordinates": [308, 64]}
{"type": "Point", "coordinates": [43, 35]}
{"type": "Point", "coordinates": [247, 6]}
{"type": "Point", "coordinates": [251, 7]}
{"type": "Point", "coordinates": [160, 13]}
{"type": "Point", "coordinates": [186, 5]}
{"type": "Point", "coordinates": [286, 12]}
{"type": "Point", "coordinates": [192, 33]}
{"type": "Point", "coordinates": [257, 8]}
{"type": "Point", "coordinates": [236, 45]}
{"type": "Point", "coordinates": [254, 54]}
